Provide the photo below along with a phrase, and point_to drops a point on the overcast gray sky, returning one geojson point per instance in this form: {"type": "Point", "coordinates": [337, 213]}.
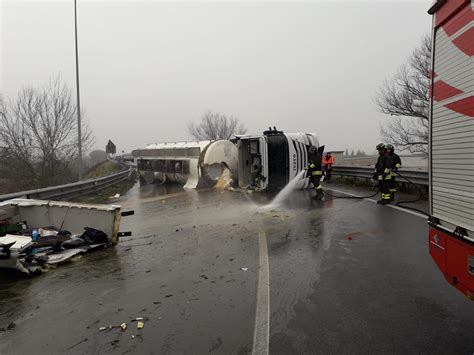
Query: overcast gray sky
{"type": "Point", "coordinates": [148, 68]}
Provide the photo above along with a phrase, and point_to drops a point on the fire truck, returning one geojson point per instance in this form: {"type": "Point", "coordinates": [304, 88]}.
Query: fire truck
{"type": "Point", "coordinates": [451, 222]}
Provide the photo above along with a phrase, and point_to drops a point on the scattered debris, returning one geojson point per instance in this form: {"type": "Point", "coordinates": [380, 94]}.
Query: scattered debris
{"type": "Point", "coordinates": [115, 196]}
{"type": "Point", "coordinates": [10, 326]}
{"type": "Point", "coordinates": [204, 277]}
{"type": "Point", "coordinates": [216, 345]}
{"type": "Point", "coordinates": [244, 268]}
{"type": "Point", "coordinates": [73, 346]}
{"type": "Point", "coordinates": [139, 319]}
{"type": "Point", "coordinates": [90, 325]}
{"type": "Point", "coordinates": [140, 325]}
{"type": "Point", "coordinates": [123, 326]}
{"type": "Point", "coordinates": [45, 240]}
{"type": "Point", "coordinates": [167, 296]}
{"type": "Point", "coordinates": [157, 302]}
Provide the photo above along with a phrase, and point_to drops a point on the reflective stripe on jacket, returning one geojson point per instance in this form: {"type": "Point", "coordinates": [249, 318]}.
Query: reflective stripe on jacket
{"type": "Point", "coordinates": [313, 169]}
{"type": "Point", "coordinates": [396, 161]}
{"type": "Point", "coordinates": [383, 167]}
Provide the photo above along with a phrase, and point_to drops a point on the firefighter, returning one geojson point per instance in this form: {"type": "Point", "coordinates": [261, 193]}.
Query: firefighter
{"type": "Point", "coordinates": [328, 162]}
{"type": "Point", "coordinates": [383, 173]}
{"type": "Point", "coordinates": [314, 170]}
{"type": "Point", "coordinates": [396, 164]}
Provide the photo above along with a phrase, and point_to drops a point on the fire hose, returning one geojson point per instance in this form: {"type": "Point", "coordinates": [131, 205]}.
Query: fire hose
{"type": "Point", "coordinates": [399, 203]}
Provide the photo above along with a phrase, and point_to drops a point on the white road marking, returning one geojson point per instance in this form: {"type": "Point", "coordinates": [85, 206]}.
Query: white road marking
{"type": "Point", "coordinates": [261, 335]}
{"type": "Point", "coordinates": [371, 200]}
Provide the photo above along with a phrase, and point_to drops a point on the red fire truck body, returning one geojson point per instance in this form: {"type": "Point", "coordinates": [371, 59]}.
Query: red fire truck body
{"type": "Point", "coordinates": [451, 234]}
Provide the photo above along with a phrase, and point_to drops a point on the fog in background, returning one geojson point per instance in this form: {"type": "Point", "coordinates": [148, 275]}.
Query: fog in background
{"type": "Point", "coordinates": [148, 68]}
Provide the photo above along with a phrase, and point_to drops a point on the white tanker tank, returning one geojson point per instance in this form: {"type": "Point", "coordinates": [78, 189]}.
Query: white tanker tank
{"type": "Point", "coordinates": [187, 163]}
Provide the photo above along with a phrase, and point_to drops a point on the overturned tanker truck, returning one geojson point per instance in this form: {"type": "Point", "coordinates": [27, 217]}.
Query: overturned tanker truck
{"type": "Point", "coordinates": [192, 164]}
{"type": "Point", "coordinates": [260, 162]}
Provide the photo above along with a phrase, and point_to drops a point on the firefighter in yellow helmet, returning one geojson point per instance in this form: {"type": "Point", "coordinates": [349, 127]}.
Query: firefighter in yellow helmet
{"type": "Point", "coordinates": [383, 169]}
{"type": "Point", "coordinates": [314, 170]}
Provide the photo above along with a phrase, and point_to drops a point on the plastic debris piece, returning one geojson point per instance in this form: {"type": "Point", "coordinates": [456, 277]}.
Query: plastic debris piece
{"type": "Point", "coordinates": [139, 319]}
{"type": "Point", "coordinates": [140, 325]}
{"type": "Point", "coordinates": [133, 336]}
{"type": "Point", "coordinates": [123, 326]}
{"type": "Point", "coordinates": [244, 268]}
{"type": "Point", "coordinates": [11, 325]}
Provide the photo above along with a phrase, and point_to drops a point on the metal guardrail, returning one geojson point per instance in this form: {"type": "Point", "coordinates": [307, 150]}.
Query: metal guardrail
{"type": "Point", "coordinates": [71, 190]}
{"type": "Point", "coordinates": [419, 177]}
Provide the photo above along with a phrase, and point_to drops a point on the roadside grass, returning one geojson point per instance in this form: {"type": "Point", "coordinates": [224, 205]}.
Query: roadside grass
{"type": "Point", "coordinates": [104, 195]}
{"type": "Point", "coordinates": [105, 168]}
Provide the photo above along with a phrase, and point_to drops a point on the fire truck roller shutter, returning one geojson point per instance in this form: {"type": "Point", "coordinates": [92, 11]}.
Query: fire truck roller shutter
{"type": "Point", "coordinates": [452, 154]}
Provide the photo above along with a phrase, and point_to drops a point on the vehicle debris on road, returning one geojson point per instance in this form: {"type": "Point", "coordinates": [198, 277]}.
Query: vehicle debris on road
{"type": "Point", "coordinates": [38, 234]}
{"type": "Point", "coordinates": [140, 319]}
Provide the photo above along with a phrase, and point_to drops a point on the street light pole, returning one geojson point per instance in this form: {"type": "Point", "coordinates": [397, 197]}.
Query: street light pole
{"type": "Point", "coordinates": [79, 137]}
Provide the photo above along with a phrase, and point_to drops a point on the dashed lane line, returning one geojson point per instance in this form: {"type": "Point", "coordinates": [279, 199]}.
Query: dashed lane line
{"type": "Point", "coordinates": [261, 336]}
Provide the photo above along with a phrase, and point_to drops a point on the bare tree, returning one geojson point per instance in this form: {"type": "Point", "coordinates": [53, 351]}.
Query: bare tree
{"type": "Point", "coordinates": [405, 97]}
{"type": "Point", "coordinates": [214, 126]}
{"type": "Point", "coordinates": [38, 135]}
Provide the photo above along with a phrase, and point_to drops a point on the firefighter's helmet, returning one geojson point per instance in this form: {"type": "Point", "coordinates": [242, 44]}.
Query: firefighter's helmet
{"type": "Point", "coordinates": [380, 146]}
{"type": "Point", "coordinates": [389, 146]}
{"type": "Point", "coordinates": [312, 149]}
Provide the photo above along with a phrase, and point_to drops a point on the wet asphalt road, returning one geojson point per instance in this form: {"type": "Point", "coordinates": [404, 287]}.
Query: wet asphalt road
{"type": "Point", "coordinates": [346, 276]}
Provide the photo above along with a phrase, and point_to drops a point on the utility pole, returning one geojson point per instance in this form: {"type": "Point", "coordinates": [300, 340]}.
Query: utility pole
{"type": "Point", "coordinates": [79, 137]}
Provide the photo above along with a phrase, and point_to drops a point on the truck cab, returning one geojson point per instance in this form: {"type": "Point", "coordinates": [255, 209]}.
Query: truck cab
{"type": "Point", "coordinates": [270, 160]}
